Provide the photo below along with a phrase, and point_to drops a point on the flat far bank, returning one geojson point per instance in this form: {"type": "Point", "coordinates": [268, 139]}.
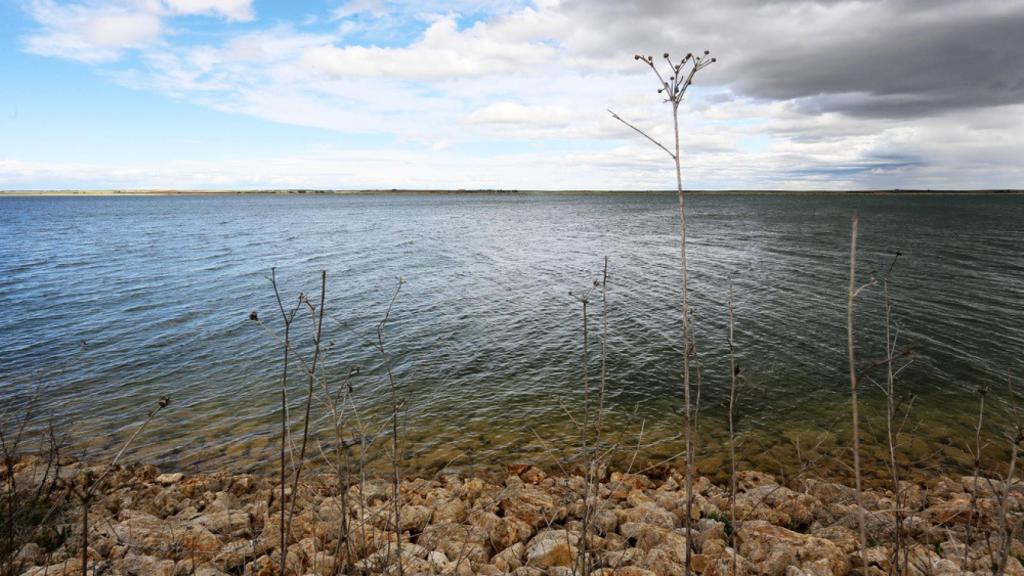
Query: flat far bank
{"type": "Point", "coordinates": [490, 191]}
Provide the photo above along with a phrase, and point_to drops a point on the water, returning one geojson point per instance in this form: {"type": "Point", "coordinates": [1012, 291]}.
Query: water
{"type": "Point", "coordinates": [110, 303]}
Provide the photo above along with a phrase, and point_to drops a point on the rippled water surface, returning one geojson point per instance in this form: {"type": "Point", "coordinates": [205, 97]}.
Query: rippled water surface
{"type": "Point", "coordinates": [110, 303]}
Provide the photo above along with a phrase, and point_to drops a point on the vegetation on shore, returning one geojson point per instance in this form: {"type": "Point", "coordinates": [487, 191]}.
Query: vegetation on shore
{"type": "Point", "coordinates": [525, 523]}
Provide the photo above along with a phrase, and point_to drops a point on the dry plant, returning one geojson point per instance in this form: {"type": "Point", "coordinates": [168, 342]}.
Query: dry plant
{"type": "Point", "coordinates": [287, 317]}
{"type": "Point", "coordinates": [854, 291]}
{"type": "Point", "coordinates": [894, 431]}
{"type": "Point", "coordinates": [89, 483]}
{"type": "Point", "coordinates": [1008, 526]}
{"type": "Point", "coordinates": [350, 430]}
{"type": "Point", "coordinates": [896, 414]}
{"type": "Point", "coordinates": [673, 85]}
{"type": "Point", "coordinates": [588, 452]}
{"type": "Point", "coordinates": [317, 314]}
{"type": "Point", "coordinates": [25, 511]}
{"type": "Point", "coordinates": [734, 373]}
{"type": "Point", "coordinates": [395, 407]}
{"type": "Point", "coordinates": [976, 456]}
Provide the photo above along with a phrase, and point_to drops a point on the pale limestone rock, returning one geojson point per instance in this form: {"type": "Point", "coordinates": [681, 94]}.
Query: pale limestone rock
{"type": "Point", "coordinates": [773, 548]}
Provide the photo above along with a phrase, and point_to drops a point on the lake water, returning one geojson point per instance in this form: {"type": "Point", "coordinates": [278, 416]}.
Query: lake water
{"type": "Point", "coordinates": [110, 303]}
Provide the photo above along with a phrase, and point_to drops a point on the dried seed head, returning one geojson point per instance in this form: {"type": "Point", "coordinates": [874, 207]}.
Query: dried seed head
{"type": "Point", "coordinates": [636, 56]}
{"type": "Point", "coordinates": [706, 52]}
{"type": "Point", "coordinates": [254, 316]}
{"type": "Point", "coordinates": [666, 54]}
{"type": "Point", "coordinates": [714, 59]}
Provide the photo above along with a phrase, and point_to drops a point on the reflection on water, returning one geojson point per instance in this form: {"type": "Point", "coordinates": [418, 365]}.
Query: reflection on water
{"type": "Point", "coordinates": [113, 302]}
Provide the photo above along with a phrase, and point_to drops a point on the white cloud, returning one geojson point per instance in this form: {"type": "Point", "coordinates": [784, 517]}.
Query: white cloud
{"type": "Point", "coordinates": [541, 77]}
{"type": "Point", "coordinates": [229, 9]}
{"type": "Point", "coordinates": [97, 32]}
{"type": "Point", "coordinates": [444, 51]}
{"type": "Point", "coordinates": [90, 33]}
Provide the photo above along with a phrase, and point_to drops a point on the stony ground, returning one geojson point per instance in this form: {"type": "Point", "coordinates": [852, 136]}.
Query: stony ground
{"type": "Point", "coordinates": [527, 524]}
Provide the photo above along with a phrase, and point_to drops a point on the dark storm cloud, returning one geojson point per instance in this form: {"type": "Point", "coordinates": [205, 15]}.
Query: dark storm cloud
{"type": "Point", "coordinates": [882, 59]}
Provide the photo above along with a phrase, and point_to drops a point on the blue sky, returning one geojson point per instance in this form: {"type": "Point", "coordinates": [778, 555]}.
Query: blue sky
{"type": "Point", "coordinates": [478, 94]}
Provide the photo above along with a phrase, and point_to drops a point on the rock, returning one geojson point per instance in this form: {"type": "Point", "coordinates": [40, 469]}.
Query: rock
{"type": "Point", "coordinates": [747, 479]}
{"type": "Point", "coordinates": [957, 510]}
{"type": "Point", "coordinates": [365, 540]}
{"type": "Point", "coordinates": [169, 478]}
{"type": "Point", "coordinates": [665, 562]}
{"type": "Point", "coordinates": [510, 558]}
{"type": "Point", "coordinates": [28, 554]}
{"type": "Point", "coordinates": [449, 511]}
{"type": "Point", "coordinates": [242, 484]}
{"type": "Point", "coordinates": [490, 570]}
{"type": "Point", "coordinates": [772, 549]}
{"type": "Point", "coordinates": [236, 554]}
{"type": "Point", "coordinates": [222, 502]}
{"type": "Point", "coordinates": [527, 473]}
{"type": "Point", "coordinates": [924, 560]}
{"type": "Point", "coordinates": [139, 565]}
{"type": "Point", "coordinates": [415, 518]}
{"type": "Point", "coordinates": [457, 541]}
{"type": "Point", "coordinates": [501, 532]}
{"type": "Point", "coordinates": [551, 548]}
{"type": "Point", "coordinates": [208, 571]}
{"type": "Point", "coordinates": [778, 505]}
{"type": "Point", "coordinates": [829, 491]}
{"type": "Point", "coordinates": [604, 521]}
{"type": "Point", "coordinates": [648, 536]}
{"type": "Point", "coordinates": [709, 530]}
{"type": "Point", "coordinates": [631, 481]}
{"type": "Point", "coordinates": [648, 514]}
{"type": "Point", "coordinates": [626, 571]}
{"type": "Point", "coordinates": [234, 524]}
{"type": "Point", "coordinates": [63, 569]}
{"type": "Point", "coordinates": [437, 560]}
{"type": "Point", "coordinates": [531, 505]}
{"type": "Point", "coordinates": [625, 557]}
{"type": "Point", "coordinates": [719, 562]}
{"type": "Point", "coordinates": [875, 556]}
{"type": "Point", "coordinates": [843, 537]}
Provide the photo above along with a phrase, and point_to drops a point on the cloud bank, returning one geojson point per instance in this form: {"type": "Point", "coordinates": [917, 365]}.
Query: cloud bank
{"type": "Point", "coordinates": [806, 94]}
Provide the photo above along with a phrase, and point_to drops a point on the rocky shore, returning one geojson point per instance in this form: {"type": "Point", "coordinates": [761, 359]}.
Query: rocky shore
{"type": "Point", "coordinates": [526, 524]}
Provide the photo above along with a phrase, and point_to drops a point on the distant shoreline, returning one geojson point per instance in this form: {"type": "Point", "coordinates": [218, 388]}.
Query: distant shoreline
{"type": "Point", "coordinates": [397, 191]}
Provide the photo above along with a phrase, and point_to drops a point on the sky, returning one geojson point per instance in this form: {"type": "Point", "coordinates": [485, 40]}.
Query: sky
{"type": "Point", "coordinates": [509, 94]}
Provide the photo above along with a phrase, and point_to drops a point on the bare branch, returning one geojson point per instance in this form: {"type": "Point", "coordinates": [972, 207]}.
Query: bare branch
{"type": "Point", "coordinates": [644, 134]}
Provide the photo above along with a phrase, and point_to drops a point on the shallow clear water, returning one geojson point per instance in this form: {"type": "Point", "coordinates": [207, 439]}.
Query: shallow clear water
{"type": "Point", "coordinates": [109, 303]}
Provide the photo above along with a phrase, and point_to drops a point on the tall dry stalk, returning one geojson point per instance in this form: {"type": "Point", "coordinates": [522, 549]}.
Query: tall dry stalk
{"type": "Point", "coordinates": [587, 452]}
{"type": "Point", "coordinates": [679, 79]}
{"type": "Point", "coordinates": [318, 316]}
{"type": "Point", "coordinates": [1007, 528]}
{"type": "Point", "coordinates": [395, 405]}
{"type": "Point", "coordinates": [287, 317]}
{"type": "Point", "coordinates": [851, 296]}
{"type": "Point", "coordinates": [734, 373]}
{"type": "Point", "coordinates": [894, 430]}
{"type": "Point", "coordinates": [976, 453]}
{"type": "Point", "coordinates": [90, 484]}
{"type": "Point", "coordinates": [604, 349]}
